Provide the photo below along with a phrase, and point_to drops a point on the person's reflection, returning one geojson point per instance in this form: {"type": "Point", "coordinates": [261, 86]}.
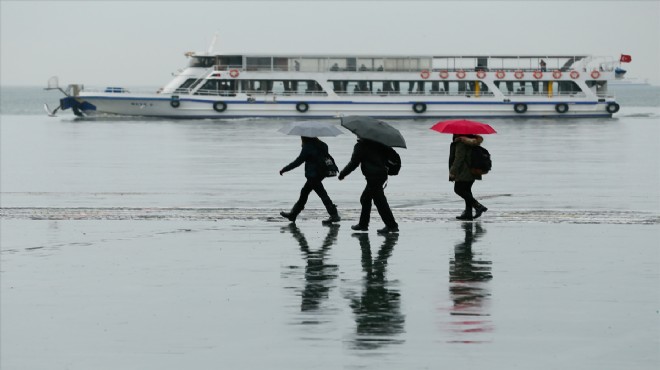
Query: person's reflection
{"type": "Point", "coordinates": [468, 286]}
{"type": "Point", "coordinates": [318, 274]}
{"type": "Point", "coordinates": [378, 311]}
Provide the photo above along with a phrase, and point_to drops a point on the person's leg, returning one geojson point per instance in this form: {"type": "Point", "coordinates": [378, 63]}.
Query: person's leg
{"type": "Point", "coordinates": [300, 204]}
{"type": "Point", "coordinates": [365, 213]}
{"type": "Point", "coordinates": [380, 201]}
{"type": "Point", "coordinates": [318, 187]}
{"type": "Point", "coordinates": [464, 190]}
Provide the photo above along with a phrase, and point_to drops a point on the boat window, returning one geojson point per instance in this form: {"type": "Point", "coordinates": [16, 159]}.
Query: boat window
{"type": "Point", "coordinates": [218, 87]}
{"type": "Point", "coordinates": [204, 62]}
{"type": "Point", "coordinates": [281, 87]}
{"type": "Point", "coordinates": [408, 87]}
{"type": "Point", "coordinates": [258, 63]}
{"type": "Point", "coordinates": [537, 87]}
{"type": "Point", "coordinates": [189, 84]}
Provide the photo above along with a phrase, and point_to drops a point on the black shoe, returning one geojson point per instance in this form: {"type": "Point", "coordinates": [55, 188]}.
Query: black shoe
{"type": "Point", "coordinates": [289, 216]}
{"type": "Point", "coordinates": [330, 220]}
{"type": "Point", "coordinates": [359, 227]}
{"type": "Point", "coordinates": [479, 209]}
{"type": "Point", "coordinates": [388, 230]}
{"type": "Point", "coordinates": [465, 216]}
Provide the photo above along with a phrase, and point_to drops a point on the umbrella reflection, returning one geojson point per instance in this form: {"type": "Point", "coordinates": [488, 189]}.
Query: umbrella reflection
{"type": "Point", "coordinates": [318, 274]}
{"type": "Point", "coordinates": [378, 311]}
{"type": "Point", "coordinates": [468, 278]}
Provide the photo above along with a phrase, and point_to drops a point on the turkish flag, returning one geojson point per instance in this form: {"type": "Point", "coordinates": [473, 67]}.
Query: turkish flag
{"type": "Point", "coordinates": [625, 58]}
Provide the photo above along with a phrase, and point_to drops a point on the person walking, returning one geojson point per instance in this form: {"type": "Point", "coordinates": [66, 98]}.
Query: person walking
{"type": "Point", "coordinates": [371, 157]}
{"type": "Point", "coordinates": [313, 152]}
{"type": "Point", "coordinates": [463, 177]}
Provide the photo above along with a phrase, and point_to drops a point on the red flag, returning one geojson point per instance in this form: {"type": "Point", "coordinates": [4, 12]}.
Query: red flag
{"type": "Point", "coordinates": [625, 58]}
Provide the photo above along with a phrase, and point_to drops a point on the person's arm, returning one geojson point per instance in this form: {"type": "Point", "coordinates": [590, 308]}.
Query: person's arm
{"type": "Point", "coordinates": [472, 141]}
{"type": "Point", "coordinates": [297, 162]}
{"type": "Point", "coordinates": [356, 158]}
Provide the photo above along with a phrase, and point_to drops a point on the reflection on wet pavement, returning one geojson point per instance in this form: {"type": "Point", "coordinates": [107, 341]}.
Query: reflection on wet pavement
{"type": "Point", "coordinates": [469, 290]}
{"type": "Point", "coordinates": [377, 311]}
{"type": "Point", "coordinates": [319, 276]}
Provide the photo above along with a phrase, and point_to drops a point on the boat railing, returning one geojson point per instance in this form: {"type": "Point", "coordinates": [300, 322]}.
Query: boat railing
{"type": "Point", "coordinates": [545, 94]}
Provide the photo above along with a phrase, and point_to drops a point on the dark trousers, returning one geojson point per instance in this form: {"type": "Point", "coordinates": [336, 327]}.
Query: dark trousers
{"type": "Point", "coordinates": [464, 190]}
{"type": "Point", "coordinates": [374, 192]}
{"type": "Point", "coordinates": [316, 185]}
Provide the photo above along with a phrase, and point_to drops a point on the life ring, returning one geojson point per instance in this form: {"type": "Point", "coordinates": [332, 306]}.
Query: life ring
{"type": "Point", "coordinates": [175, 103]}
{"type": "Point", "coordinates": [537, 74]}
{"type": "Point", "coordinates": [561, 108]}
{"type": "Point", "coordinates": [556, 74]}
{"type": "Point", "coordinates": [574, 74]}
{"type": "Point", "coordinates": [519, 74]}
{"type": "Point", "coordinates": [444, 74]}
{"type": "Point", "coordinates": [595, 74]}
{"type": "Point", "coordinates": [460, 74]}
{"type": "Point", "coordinates": [612, 108]}
{"type": "Point", "coordinates": [520, 108]}
{"type": "Point", "coordinates": [425, 74]}
{"type": "Point", "coordinates": [302, 107]}
{"type": "Point", "coordinates": [219, 106]}
{"type": "Point", "coordinates": [419, 107]}
{"type": "Point", "coordinates": [500, 74]}
{"type": "Point", "coordinates": [481, 75]}
{"type": "Point", "coordinates": [234, 73]}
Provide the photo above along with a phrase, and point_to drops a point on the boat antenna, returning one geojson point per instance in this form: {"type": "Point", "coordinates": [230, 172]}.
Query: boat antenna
{"type": "Point", "coordinates": [212, 45]}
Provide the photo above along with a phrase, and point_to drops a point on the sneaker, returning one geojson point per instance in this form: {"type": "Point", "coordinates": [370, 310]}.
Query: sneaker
{"type": "Point", "coordinates": [359, 227]}
{"type": "Point", "coordinates": [388, 230]}
{"type": "Point", "coordinates": [330, 220]}
{"type": "Point", "coordinates": [465, 216]}
{"type": "Point", "coordinates": [479, 209]}
{"type": "Point", "coordinates": [289, 216]}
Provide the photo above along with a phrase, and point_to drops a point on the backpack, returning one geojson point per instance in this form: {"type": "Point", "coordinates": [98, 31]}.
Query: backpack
{"type": "Point", "coordinates": [392, 162]}
{"type": "Point", "coordinates": [327, 166]}
{"type": "Point", "coordinates": [480, 161]}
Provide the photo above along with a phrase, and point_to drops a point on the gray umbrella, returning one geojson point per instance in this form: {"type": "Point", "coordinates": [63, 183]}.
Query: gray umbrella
{"type": "Point", "coordinates": [311, 129]}
{"type": "Point", "coordinates": [375, 130]}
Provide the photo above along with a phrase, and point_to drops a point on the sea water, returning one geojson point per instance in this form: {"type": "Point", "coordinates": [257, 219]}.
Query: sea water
{"type": "Point", "coordinates": [145, 243]}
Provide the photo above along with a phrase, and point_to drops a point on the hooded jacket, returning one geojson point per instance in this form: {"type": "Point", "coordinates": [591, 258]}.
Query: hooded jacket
{"type": "Point", "coordinates": [312, 153]}
{"type": "Point", "coordinates": [370, 156]}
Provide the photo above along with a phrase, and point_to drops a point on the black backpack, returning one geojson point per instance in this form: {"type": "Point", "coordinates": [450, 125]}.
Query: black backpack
{"type": "Point", "coordinates": [480, 161]}
{"type": "Point", "coordinates": [392, 162]}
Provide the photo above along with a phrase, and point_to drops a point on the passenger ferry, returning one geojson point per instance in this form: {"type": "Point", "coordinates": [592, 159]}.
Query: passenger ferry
{"type": "Point", "coordinates": [321, 86]}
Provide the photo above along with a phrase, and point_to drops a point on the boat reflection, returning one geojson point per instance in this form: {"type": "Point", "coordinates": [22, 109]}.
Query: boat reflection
{"type": "Point", "coordinates": [318, 275]}
{"type": "Point", "coordinates": [378, 310]}
{"type": "Point", "coordinates": [469, 290]}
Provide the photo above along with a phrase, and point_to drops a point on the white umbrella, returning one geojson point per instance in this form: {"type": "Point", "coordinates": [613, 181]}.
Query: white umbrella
{"type": "Point", "coordinates": [311, 129]}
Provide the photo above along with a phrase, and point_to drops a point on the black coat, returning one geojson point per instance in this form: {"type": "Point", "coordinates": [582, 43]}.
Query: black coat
{"type": "Point", "coordinates": [370, 156]}
{"type": "Point", "coordinates": [311, 154]}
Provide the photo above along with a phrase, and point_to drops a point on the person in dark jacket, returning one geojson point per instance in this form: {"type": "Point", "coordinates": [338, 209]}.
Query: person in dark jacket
{"type": "Point", "coordinates": [460, 173]}
{"type": "Point", "coordinates": [371, 157]}
{"type": "Point", "coordinates": [312, 154]}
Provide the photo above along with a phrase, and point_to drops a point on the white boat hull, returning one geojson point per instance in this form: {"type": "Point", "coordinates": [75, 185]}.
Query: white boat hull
{"type": "Point", "coordinates": [196, 107]}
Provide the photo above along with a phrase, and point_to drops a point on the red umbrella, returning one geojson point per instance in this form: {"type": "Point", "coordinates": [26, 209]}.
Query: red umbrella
{"type": "Point", "coordinates": [462, 127]}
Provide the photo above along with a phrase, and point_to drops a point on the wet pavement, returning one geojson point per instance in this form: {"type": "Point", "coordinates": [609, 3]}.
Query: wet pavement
{"type": "Point", "coordinates": [83, 294]}
{"type": "Point", "coordinates": [129, 244]}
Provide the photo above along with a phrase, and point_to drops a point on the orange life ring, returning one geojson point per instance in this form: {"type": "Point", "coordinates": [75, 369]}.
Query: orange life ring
{"type": "Point", "coordinates": [538, 74]}
{"type": "Point", "coordinates": [234, 73]}
{"type": "Point", "coordinates": [460, 74]}
{"type": "Point", "coordinates": [500, 74]}
{"type": "Point", "coordinates": [425, 74]}
{"type": "Point", "coordinates": [444, 74]}
{"type": "Point", "coordinates": [595, 74]}
{"type": "Point", "coordinates": [575, 74]}
{"type": "Point", "coordinates": [556, 73]}
{"type": "Point", "coordinates": [481, 74]}
{"type": "Point", "coordinates": [519, 74]}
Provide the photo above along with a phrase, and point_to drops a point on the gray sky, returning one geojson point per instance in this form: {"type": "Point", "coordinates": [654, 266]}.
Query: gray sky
{"type": "Point", "coordinates": [133, 43]}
